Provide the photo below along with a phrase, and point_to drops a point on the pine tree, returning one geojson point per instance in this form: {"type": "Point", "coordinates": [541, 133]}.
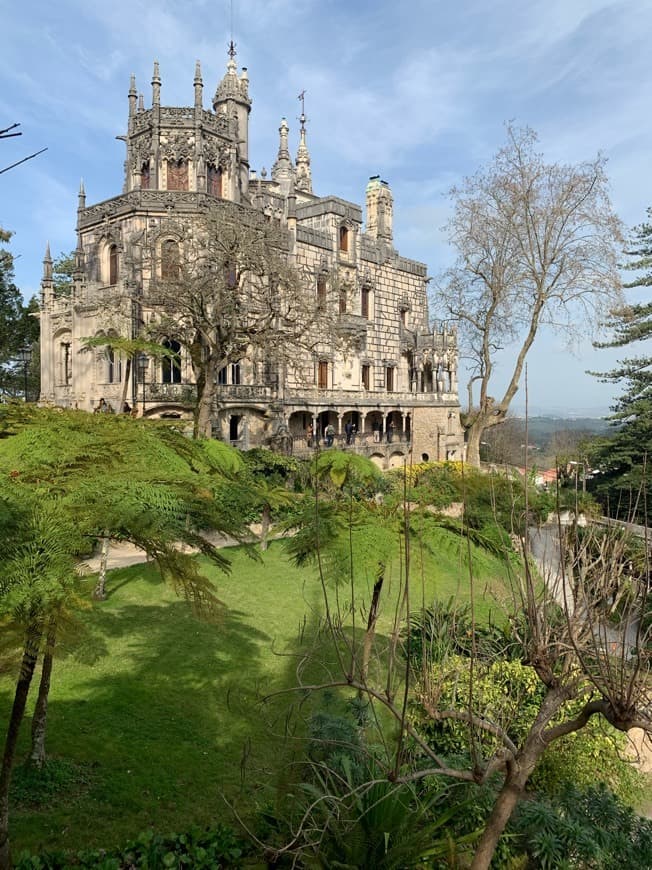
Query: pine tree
{"type": "Point", "coordinates": [624, 458]}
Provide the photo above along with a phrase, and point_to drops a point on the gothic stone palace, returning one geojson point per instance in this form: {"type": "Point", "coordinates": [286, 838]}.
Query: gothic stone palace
{"type": "Point", "coordinates": [398, 387]}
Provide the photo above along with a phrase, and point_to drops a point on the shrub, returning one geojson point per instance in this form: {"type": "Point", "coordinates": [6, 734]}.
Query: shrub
{"type": "Point", "coordinates": [211, 849]}
{"type": "Point", "coordinates": [583, 828]}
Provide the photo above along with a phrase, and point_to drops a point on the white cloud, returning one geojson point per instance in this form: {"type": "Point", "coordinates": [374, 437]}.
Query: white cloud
{"type": "Point", "coordinates": [417, 93]}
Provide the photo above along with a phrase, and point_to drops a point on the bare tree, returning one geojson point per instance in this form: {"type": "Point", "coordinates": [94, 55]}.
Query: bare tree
{"type": "Point", "coordinates": [536, 245]}
{"type": "Point", "coordinates": [226, 289]}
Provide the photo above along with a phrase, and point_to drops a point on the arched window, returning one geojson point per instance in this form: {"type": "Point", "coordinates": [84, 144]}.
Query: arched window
{"type": "Point", "coordinates": [113, 367]}
{"type": "Point", "coordinates": [344, 239]}
{"type": "Point", "coordinates": [114, 264]}
{"type": "Point", "coordinates": [177, 175]}
{"type": "Point", "coordinates": [170, 263]}
{"type": "Point", "coordinates": [63, 358]}
{"type": "Point", "coordinates": [214, 180]}
{"type": "Point", "coordinates": [171, 365]}
{"type": "Point", "coordinates": [144, 176]}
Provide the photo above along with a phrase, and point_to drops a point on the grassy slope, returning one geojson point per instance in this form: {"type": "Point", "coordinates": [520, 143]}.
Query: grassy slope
{"type": "Point", "coordinates": [162, 710]}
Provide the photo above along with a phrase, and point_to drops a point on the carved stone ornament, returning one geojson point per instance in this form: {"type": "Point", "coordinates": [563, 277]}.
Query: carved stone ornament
{"type": "Point", "coordinates": [177, 146]}
{"type": "Point", "coordinates": [141, 151]}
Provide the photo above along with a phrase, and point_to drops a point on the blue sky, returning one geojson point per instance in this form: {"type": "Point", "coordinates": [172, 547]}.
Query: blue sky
{"type": "Point", "coordinates": [416, 92]}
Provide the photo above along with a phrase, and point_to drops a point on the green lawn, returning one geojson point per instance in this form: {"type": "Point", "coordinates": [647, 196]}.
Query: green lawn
{"type": "Point", "coordinates": [162, 711]}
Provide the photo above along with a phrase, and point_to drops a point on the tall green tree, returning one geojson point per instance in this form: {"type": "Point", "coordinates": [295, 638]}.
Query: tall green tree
{"type": "Point", "coordinates": [68, 478]}
{"type": "Point", "coordinates": [624, 458]}
{"type": "Point", "coordinates": [18, 326]}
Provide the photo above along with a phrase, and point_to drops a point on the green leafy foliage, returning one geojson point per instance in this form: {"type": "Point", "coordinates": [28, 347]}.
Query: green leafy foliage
{"type": "Point", "coordinates": [18, 328]}
{"type": "Point", "coordinates": [494, 504]}
{"type": "Point", "coordinates": [345, 813]}
{"type": "Point", "coordinates": [623, 485]}
{"type": "Point", "coordinates": [583, 827]}
{"type": "Point", "coordinates": [216, 848]}
{"type": "Point", "coordinates": [509, 694]}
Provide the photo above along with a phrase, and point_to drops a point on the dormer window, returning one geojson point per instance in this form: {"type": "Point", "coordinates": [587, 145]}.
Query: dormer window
{"type": "Point", "coordinates": [344, 239]}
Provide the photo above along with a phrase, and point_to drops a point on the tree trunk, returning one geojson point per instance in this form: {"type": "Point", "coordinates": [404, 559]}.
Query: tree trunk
{"type": "Point", "coordinates": [39, 720]}
{"type": "Point", "coordinates": [265, 521]}
{"type": "Point", "coordinates": [367, 643]}
{"type": "Point", "coordinates": [518, 773]}
{"type": "Point", "coordinates": [99, 593]}
{"type": "Point", "coordinates": [502, 810]}
{"type": "Point", "coordinates": [473, 436]}
{"type": "Point", "coordinates": [206, 377]}
{"type": "Point", "coordinates": [475, 430]}
{"type": "Point", "coordinates": [125, 385]}
{"type": "Point", "coordinates": [30, 656]}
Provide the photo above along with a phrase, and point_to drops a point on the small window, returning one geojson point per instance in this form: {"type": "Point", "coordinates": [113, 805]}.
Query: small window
{"type": "Point", "coordinates": [171, 366]}
{"type": "Point", "coordinates": [344, 240]}
{"type": "Point", "coordinates": [66, 363]}
{"type": "Point", "coordinates": [214, 180]}
{"type": "Point", "coordinates": [177, 175]}
{"type": "Point", "coordinates": [114, 367]}
{"type": "Point", "coordinates": [365, 376]}
{"type": "Point", "coordinates": [235, 373]}
{"type": "Point", "coordinates": [404, 316]}
{"type": "Point", "coordinates": [322, 376]}
{"type": "Point", "coordinates": [144, 176]}
{"type": "Point", "coordinates": [114, 264]}
{"type": "Point", "coordinates": [389, 379]}
{"type": "Point", "coordinates": [221, 376]}
{"type": "Point", "coordinates": [343, 300]}
{"type": "Point", "coordinates": [170, 265]}
{"type": "Point", "coordinates": [321, 292]}
{"type": "Point", "coordinates": [364, 302]}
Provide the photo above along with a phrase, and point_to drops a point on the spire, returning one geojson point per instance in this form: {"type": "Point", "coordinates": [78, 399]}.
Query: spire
{"type": "Point", "coordinates": [231, 87]}
{"type": "Point", "coordinates": [304, 178]}
{"type": "Point", "coordinates": [133, 95]}
{"type": "Point", "coordinates": [81, 198]}
{"type": "Point", "coordinates": [156, 86]}
{"type": "Point", "coordinates": [199, 86]}
{"type": "Point", "coordinates": [141, 103]}
{"type": "Point", "coordinates": [47, 264]}
{"type": "Point", "coordinates": [282, 167]}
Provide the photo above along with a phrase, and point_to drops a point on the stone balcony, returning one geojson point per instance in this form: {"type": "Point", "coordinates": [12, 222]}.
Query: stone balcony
{"type": "Point", "coordinates": [302, 396]}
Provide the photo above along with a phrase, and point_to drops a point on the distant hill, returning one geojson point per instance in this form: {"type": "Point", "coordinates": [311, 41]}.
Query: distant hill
{"type": "Point", "coordinates": [540, 429]}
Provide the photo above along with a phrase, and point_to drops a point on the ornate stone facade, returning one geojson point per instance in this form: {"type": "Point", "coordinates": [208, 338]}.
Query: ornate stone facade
{"type": "Point", "coordinates": [396, 382]}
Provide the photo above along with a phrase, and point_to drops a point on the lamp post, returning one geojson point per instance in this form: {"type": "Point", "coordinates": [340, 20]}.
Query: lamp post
{"type": "Point", "coordinates": [24, 356]}
{"type": "Point", "coordinates": [143, 363]}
